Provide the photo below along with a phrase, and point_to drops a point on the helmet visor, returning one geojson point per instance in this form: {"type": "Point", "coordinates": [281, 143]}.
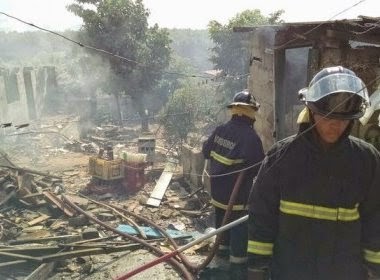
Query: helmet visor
{"type": "Point", "coordinates": [340, 105]}
{"type": "Point", "coordinates": [334, 83]}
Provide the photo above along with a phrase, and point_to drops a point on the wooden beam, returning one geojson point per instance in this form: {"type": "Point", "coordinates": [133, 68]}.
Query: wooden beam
{"type": "Point", "coordinates": [38, 220]}
{"type": "Point", "coordinates": [42, 272]}
{"type": "Point", "coordinates": [87, 252]}
{"type": "Point", "coordinates": [20, 256]}
{"type": "Point", "coordinates": [59, 203]}
{"type": "Point", "coordinates": [19, 262]}
{"type": "Point", "coordinates": [161, 186]}
{"type": "Point", "coordinates": [71, 237]}
{"type": "Point", "coordinates": [32, 250]}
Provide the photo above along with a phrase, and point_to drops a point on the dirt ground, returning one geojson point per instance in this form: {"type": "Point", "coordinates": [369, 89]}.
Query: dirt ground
{"type": "Point", "coordinates": [113, 265]}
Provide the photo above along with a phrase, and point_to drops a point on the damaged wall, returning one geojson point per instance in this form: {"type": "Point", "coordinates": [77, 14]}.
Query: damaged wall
{"type": "Point", "coordinates": [282, 63]}
{"type": "Point", "coordinates": [261, 82]}
{"type": "Point", "coordinates": [193, 163]}
{"type": "Point", "coordinates": [23, 92]}
{"type": "Point", "coordinates": [363, 60]}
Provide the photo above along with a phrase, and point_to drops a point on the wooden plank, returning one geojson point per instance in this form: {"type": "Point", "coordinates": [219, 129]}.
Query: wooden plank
{"type": "Point", "coordinates": [42, 272]}
{"type": "Point", "coordinates": [161, 186]}
{"type": "Point", "coordinates": [32, 250]}
{"type": "Point", "coordinates": [32, 195]}
{"type": "Point", "coordinates": [38, 220]}
{"type": "Point", "coordinates": [59, 203]}
{"type": "Point", "coordinates": [20, 256]}
{"type": "Point", "coordinates": [62, 238]}
{"type": "Point", "coordinates": [19, 262]}
{"type": "Point", "coordinates": [89, 252]}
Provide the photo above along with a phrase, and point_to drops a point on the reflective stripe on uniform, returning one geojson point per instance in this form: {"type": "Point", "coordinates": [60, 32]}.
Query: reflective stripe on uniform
{"type": "Point", "coordinates": [238, 260]}
{"type": "Point", "coordinates": [237, 207]}
{"type": "Point", "coordinates": [223, 247]}
{"type": "Point", "coordinates": [260, 248]}
{"type": "Point", "coordinates": [224, 160]}
{"type": "Point", "coordinates": [319, 212]}
{"type": "Point", "coordinates": [371, 256]}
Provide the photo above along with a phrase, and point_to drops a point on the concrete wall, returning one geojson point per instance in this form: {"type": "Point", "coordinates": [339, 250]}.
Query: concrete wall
{"type": "Point", "coordinates": [193, 163]}
{"type": "Point", "coordinates": [276, 75]}
{"type": "Point", "coordinates": [17, 111]}
{"type": "Point", "coordinates": [275, 78]}
{"type": "Point", "coordinates": [261, 82]}
{"type": "Point", "coordinates": [361, 62]}
{"type": "Point", "coordinates": [23, 92]}
{"type": "Point", "coordinates": [295, 75]}
{"type": "Point", "coordinates": [3, 99]}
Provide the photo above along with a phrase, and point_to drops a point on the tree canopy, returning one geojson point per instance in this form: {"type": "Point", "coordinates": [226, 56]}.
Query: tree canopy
{"type": "Point", "coordinates": [121, 27]}
{"type": "Point", "coordinates": [231, 52]}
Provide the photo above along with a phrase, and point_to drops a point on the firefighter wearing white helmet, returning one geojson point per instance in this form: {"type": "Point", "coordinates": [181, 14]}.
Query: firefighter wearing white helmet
{"type": "Point", "coordinates": [336, 92]}
{"type": "Point", "coordinates": [232, 147]}
{"type": "Point", "coordinates": [315, 205]}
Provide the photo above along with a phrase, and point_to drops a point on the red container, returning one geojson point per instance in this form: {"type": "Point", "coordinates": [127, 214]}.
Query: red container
{"type": "Point", "coordinates": [134, 178]}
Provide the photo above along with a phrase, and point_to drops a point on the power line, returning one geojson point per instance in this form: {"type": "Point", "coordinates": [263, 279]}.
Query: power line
{"type": "Point", "coordinates": [318, 26]}
{"type": "Point", "coordinates": [296, 137]}
{"type": "Point", "coordinates": [101, 50]}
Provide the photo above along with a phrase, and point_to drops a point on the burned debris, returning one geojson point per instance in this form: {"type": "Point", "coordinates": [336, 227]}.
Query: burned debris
{"type": "Point", "coordinates": [84, 208]}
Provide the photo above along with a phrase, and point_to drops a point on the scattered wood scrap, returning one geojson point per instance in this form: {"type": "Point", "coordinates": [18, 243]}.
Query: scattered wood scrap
{"type": "Point", "coordinates": [161, 186]}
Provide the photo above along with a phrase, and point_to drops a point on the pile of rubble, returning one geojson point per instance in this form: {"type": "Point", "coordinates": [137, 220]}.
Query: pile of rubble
{"type": "Point", "coordinates": [52, 227]}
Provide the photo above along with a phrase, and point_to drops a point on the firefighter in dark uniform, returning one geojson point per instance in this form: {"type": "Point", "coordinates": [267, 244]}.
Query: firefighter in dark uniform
{"type": "Point", "coordinates": [232, 147]}
{"type": "Point", "coordinates": [314, 209]}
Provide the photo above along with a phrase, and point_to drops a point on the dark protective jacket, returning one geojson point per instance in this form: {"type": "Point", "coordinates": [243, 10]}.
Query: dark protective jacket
{"type": "Point", "coordinates": [315, 213]}
{"type": "Point", "coordinates": [233, 146]}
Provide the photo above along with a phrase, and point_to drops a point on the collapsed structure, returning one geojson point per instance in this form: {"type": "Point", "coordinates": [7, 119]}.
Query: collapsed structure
{"type": "Point", "coordinates": [285, 57]}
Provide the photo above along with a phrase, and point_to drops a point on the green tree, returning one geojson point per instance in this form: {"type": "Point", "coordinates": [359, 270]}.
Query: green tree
{"type": "Point", "coordinates": [231, 51]}
{"type": "Point", "coordinates": [121, 27]}
{"type": "Point", "coordinates": [187, 106]}
{"type": "Point", "coordinates": [194, 45]}
{"type": "Point", "coordinates": [176, 77]}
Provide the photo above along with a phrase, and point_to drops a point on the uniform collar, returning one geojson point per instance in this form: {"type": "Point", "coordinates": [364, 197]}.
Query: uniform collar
{"type": "Point", "coordinates": [309, 134]}
{"type": "Point", "coordinates": [243, 119]}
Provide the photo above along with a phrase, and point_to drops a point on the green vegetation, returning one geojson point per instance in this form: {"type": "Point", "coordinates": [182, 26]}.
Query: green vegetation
{"type": "Point", "coordinates": [232, 50]}
{"type": "Point", "coordinates": [189, 105]}
{"type": "Point", "coordinates": [162, 70]}
{"type": "Point", "coordinates": [121, 27]}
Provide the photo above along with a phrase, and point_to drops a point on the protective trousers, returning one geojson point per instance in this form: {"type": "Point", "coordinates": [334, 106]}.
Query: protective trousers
{"type": "Point", "coordinates": [233, 241]}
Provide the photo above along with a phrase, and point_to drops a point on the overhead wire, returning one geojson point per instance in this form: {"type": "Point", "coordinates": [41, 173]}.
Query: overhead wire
{"type": "Point", "coordinates": [203, 264]}
{"type": "Point", "coordinates": [303, 36]}
{"type": "Point", "coordinates": [296, 137]}
{"type": "Point", "coordinates": [313, 125]}
{"type": "Point", "coordinates": [287, 146]}
{"type": "Point", "coordinates": [137, 63]}
{"type": "Point", "coordinates": [166, 72]}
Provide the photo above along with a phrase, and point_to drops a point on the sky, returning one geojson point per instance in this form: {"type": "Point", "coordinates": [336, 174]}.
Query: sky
{"type": "Point", "coordinates": [193, 14]}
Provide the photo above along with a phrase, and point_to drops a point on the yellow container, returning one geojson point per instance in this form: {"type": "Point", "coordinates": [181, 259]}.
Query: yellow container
{"type": "Point", "coordinates": [106, 169]}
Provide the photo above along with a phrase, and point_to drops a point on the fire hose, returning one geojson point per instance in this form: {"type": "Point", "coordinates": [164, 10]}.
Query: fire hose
{"type": "Point", "coordinates": [191, 267]}
{"type": "Point", "coordinates": [174, 262]}
{"type": "Point", "coordinates": [177, 251]}
{"type": "Point", "coordinates": [182, 248]}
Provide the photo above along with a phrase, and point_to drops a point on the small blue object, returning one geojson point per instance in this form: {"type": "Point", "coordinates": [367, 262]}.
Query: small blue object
{"type": "Point", "coordinates": [153, 233]}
